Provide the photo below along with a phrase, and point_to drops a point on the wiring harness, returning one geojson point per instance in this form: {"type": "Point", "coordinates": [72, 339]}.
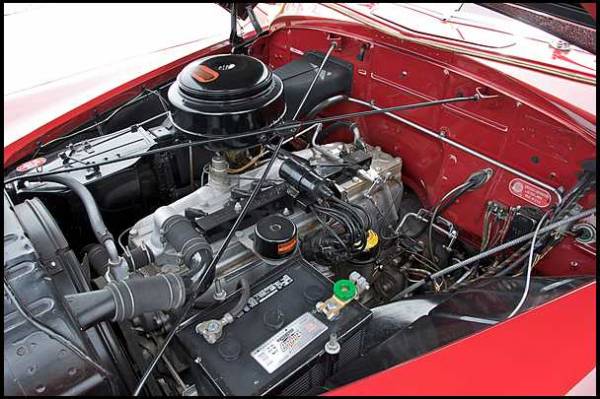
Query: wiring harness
{"type": "Point", "coordinates": [344, 233]}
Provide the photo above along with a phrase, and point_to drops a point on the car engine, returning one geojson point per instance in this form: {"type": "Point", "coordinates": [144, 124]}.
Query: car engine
{"type": "Point", "coordinates": [247, 263]}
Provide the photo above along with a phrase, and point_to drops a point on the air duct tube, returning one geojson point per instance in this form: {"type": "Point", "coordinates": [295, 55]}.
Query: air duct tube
{"type": "Point", "coordinates": [123, 300]}
{"type": "Point", "coordinates": [135, 258]}
{"type": "Point", "coordinates": [179, 232]}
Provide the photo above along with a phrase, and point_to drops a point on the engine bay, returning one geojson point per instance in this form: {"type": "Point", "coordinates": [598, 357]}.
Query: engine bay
{"type": "Point", "coordinates": [218, 237]}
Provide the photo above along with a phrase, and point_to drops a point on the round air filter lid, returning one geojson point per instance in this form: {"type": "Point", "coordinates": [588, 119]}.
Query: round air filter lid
{"type": "Point", "coordinates": [224, 77]}
{"type": "Point", "coordinates": [224, 95]}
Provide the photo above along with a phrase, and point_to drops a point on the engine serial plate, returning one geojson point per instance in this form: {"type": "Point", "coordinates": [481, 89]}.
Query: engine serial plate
{"type": "Point", "coordinates": [282, 346]}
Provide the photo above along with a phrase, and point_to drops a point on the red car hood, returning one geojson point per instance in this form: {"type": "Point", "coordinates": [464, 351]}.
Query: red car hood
{"type": "Point", "coordinates": [35, 109]}
{"type": "Point", "coordinates": [27, 110]}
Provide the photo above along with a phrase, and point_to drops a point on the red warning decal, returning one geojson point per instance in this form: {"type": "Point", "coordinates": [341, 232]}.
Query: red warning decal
{"type": "Point", "coordinates": [34, 163]}
{"type": "Point", "coordinates": [530, 192]}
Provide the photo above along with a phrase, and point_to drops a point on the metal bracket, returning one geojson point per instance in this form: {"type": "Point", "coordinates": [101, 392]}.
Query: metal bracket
{"type": "Point", "coordinates": [481, 96]}
{"type": "Point", "coordinates": [337, 40]}
{"type": "Point", "coordinates": [424, 216]}
{"type": "Point", "coordinates": [498, 209]}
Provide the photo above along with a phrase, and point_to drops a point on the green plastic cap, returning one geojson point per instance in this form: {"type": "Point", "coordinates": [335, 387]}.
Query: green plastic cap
{"type": "Point", "coordinates": [344, 290]}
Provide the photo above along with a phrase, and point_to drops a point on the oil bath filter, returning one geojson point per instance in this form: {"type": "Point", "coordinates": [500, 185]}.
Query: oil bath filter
{"type": "Point", "coordinates": [275, 237]}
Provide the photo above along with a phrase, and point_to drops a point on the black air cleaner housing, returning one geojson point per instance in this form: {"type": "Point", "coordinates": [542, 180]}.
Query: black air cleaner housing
{"type": "Point", "coordinates": [227, 94]}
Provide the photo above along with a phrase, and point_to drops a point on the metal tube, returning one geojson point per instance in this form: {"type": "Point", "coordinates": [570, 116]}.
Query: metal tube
{"type": "Point", "coordinates": [333, 45]}
{"type": "Point", "coordinates": [463, 147]}
{"type": "Point", "coordinates": [283, 126]}
{"type": "Point", "coordinates": [191, 156]}
{"type": "Point", "coordinates": [424, 220]}
{"type": "Point", "coordinates": [390, 199]}
{"type": "Point", "coordinates": [317, 125]}
{"type": "Point", "coordinates": [494, 250]}
{"type": "Point", "coordinates": [174, 373]}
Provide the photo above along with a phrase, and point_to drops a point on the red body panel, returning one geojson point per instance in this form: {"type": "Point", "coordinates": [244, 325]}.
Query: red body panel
{"type": "Point", "coordinates": [531, 354]}
{"type": "Point", "coordinates": [590, 8]}
{"type": "Point", "coordinates": [531, 48]}
{"type": "Point", "coordinates": [527, 131]}
{"type": "Point", "coordinates": [533, 127]}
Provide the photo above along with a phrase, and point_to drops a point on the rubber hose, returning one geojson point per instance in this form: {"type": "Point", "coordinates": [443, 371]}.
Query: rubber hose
{"type": "Point", "coordinates": [122, 300]}
{"type": "Point", "coordinates": [180, 233]}
{"type": "Point", "coordinates": [474, 181]}
{"type": "Point", "coordinates": [136, 258]}
{"type": "Point", "coordinates": [97, 258]}
{"type": "Point", "coordinates": [328, 102]}
{"type": "Point", "coordinates": [100, 230]}
{"type": "Point", "coordinates": [244, 296]}
{"type": "Point", "coordinates": [352, 126]}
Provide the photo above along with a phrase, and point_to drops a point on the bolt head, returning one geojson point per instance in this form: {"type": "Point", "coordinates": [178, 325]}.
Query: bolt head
{"type": "Point", "coordinates": [212, 326]}
{"type": "Point", "coordinates": [332, 347]}
{"type": "Point", "coordinates": [220, 295]}
{"type": "Point", "coordinates": [574, 264]}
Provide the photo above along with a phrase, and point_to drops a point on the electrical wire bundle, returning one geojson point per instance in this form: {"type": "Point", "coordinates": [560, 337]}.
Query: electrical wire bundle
{"type": "Point", "coordinates": [494, 226]}
{"type": "Point", "coordinates": [344, 233]}
{"type": "Point", "coordinates": [542, 240]}
{"type": "Point", "coordinates": [474, 181]}
{"type": "Point", "coordinates": [545, 242]}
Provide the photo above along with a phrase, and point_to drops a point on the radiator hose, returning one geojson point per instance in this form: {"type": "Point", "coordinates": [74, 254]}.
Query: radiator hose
{"type": "Point", "coordinates": [118, 266]}
{"type": "Point", "coordinates": [136, 258]}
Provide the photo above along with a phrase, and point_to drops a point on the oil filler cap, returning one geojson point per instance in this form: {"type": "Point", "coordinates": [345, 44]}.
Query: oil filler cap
{"type": "Point", "coordinates": [344, 290]}
{"type": "Point", "coordinates": [275, 237]}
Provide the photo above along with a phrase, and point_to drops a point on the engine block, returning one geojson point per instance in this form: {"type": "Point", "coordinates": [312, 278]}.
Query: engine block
{"type": "Point", "coordinates": [378, 189]}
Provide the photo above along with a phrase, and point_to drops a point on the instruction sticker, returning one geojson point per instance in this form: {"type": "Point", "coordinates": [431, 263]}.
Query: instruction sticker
{"type": "Point", "coordinates": [282, 346]}
{"type": "Point", "coordinates": [530, 192]}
